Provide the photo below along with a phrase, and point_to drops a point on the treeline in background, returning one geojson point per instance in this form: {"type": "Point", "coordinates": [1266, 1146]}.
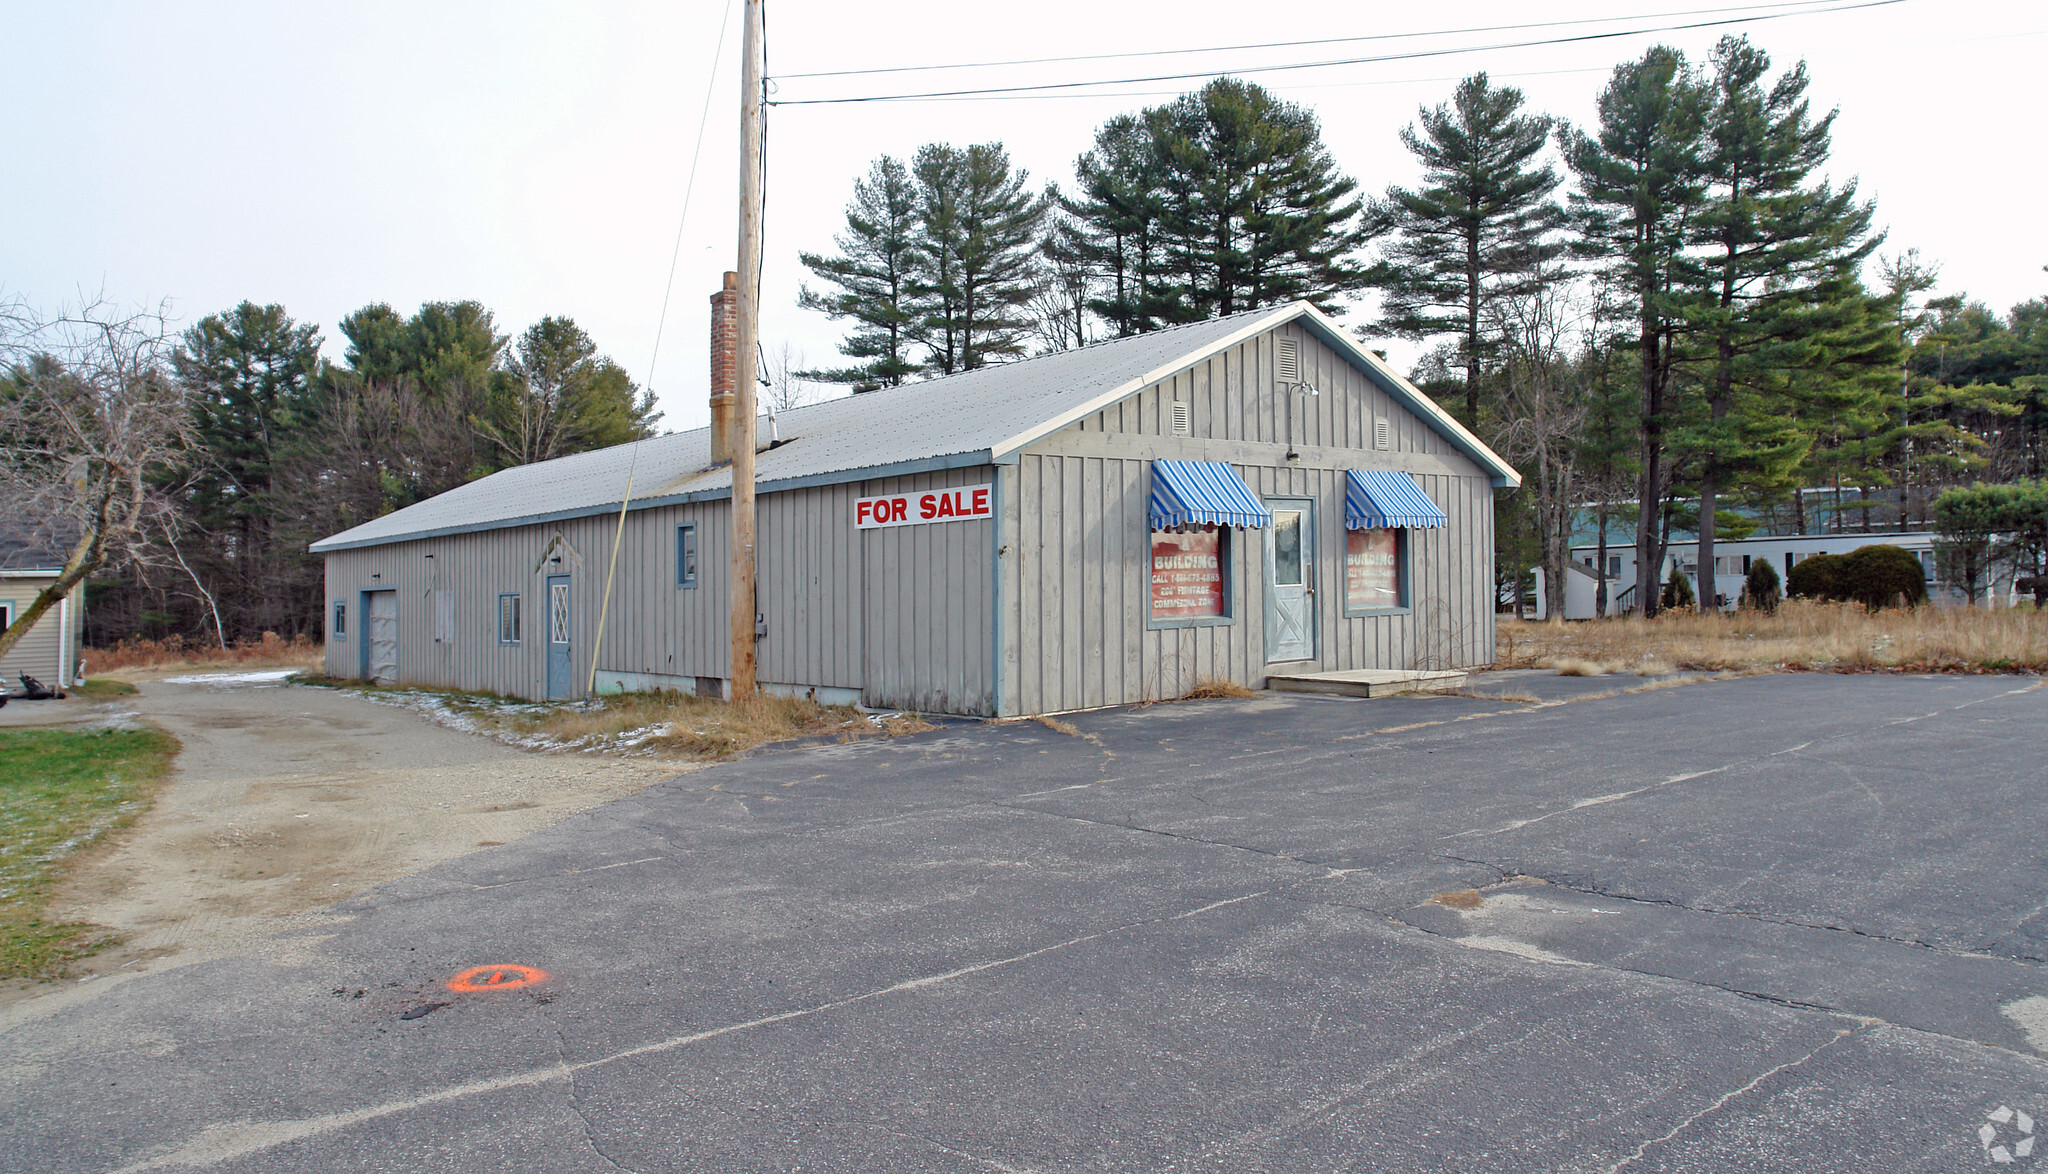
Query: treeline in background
{"type": "Point", "coordinates": [285, 448]}
{"type": "Point", "coordinates": [1673, 313]}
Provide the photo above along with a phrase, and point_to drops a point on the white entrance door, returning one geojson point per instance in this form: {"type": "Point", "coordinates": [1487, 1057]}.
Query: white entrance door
{"type": "Point", "coordinates": [1290, 581]}
{"type": "Point", "coordinates": [380, 638]}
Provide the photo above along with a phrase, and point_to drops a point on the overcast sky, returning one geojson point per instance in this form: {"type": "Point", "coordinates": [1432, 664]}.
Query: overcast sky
{"type": "Point", "coordinates": [535, 156]}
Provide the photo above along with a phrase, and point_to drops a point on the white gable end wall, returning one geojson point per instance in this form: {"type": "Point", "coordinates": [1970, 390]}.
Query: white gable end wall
{"type": "Point", "coordinates": [1076, 587]}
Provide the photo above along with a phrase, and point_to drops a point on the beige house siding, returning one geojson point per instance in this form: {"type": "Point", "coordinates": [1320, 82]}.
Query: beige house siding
{"type": "Point", "coordinates": [49, 652]}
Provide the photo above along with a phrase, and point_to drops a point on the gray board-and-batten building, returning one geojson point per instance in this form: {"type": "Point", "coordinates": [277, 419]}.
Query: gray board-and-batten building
{"type": "Point", "coordinates": [1104, 525]}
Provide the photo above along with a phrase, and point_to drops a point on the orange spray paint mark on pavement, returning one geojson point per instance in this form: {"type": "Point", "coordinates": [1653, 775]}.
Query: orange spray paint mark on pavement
{"type": "Point", "coordinates": [502, 977]}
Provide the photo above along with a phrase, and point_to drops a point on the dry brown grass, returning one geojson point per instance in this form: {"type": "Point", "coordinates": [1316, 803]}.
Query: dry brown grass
{"type": "Point", "coordinates": [697, 727]}
{"type": "Point", "coordinates": [1214, 687]}
{"type": "Point", "coordinates": [1799, 635]}
{"type": "Point", "coordinates": [672, 724]}
{"type": "Point", "coordinates": [272, 651]}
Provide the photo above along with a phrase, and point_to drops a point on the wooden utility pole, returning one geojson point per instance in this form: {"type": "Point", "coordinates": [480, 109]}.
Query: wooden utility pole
{"type": "Point", "coordinates": [743, 607]}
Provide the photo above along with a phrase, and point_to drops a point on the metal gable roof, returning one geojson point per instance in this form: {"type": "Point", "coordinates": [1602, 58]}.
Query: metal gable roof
{"type": "Point", "coordinates": [976, 417]}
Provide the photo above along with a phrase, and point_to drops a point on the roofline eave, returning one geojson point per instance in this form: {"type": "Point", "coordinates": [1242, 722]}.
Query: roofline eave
{"type": "Point", "coordinates": [1500, 473]}
{"type": "Point", "coordinates": [938, 464]}
{"type": "Point", "coordinates": [1503, 474]}
{"type": "Point", "coordinates": [1038, 432]}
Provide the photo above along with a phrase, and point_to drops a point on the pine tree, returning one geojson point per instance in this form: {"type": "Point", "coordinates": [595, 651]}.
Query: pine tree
{"type": "Point", "coordinates": [1472, 233]}
{"type": "Point", "coordinates": [563, 397]}
{"type": "Point", "coordinates": [1115, 224]}
{"type": "Point", "coordinates": [875, 274]}
{"type": "Point", "coordinates": [1223, 200]}
{"type": "Point", "coordinates": [445, 363]}
{"type": "Point", "coordinates": [1256, 212]}
{"type": "Point", "coordinates": [248, 372]}
{"type": "Point", "coordinates": [1904, 278]}
{"type": "Point", "coordinates": [1640, 185]}
{"type": "Point", "coordinates": [1780, 255]}
{"type": "Point", "coordinates": [977, 255]}
{"type": "Point", "coordinates": [1608, 439]}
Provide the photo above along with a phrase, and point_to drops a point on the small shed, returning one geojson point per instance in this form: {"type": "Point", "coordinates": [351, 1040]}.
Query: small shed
{"type": "Point", "coordinates": [1097, 526]}
{"type": "Point", "coordinates": [49, 652]}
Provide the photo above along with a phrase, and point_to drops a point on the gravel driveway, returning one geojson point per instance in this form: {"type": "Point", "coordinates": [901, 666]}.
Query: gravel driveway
{"type": "Point", "coordinates": [287, 798]}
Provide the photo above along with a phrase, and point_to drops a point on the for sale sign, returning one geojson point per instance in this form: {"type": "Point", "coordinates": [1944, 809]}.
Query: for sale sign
{"type": "Point", "coordinates": [917, 509]}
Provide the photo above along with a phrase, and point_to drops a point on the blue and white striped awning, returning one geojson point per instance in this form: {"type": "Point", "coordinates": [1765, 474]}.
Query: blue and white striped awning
{"type": "Point", "coordinates": [1203, 493]}
{"type": "Point", "coordinates": [1375, 500]}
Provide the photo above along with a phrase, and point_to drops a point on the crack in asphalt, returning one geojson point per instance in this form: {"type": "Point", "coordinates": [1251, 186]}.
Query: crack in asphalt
{"type": "Point", "coordinates": [1722, 1101]}
{"type": "Point", "coordinates": [1593, 889]}
{"type": "Point", "coordinates": [575, 1105]}
{"type": "Point", "coordinates": [991, 1163]}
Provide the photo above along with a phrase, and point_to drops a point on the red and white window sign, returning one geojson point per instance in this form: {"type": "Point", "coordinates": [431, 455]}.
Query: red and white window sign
{"type": "Point", "coordinates": [917, 509]}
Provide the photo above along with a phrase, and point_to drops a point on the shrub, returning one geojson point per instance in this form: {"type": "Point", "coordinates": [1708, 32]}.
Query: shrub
{"type": "Point", "coordinates": [1677, 592]}
{"type": "Point", "coordinates": [1882, 576]}
{"type": "Point", "coordinates": [1818, 577]}
{"type": "Point", "coordinates": [1875, 576]}
{"type": "Point", "coordinates": [1760, 586]}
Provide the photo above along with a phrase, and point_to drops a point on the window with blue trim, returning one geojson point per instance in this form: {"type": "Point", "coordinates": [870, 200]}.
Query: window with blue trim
{"type": "Point", "coordinates": [1190, 570]}
{"type": "Point", "coordinates": [1375, 571]}
{"type": "Point", "coordinates": [340, 619]}
{"type": "Point", "coordinates": [686, 555]}
{"type": "Point", "coordinates": [508, 619]}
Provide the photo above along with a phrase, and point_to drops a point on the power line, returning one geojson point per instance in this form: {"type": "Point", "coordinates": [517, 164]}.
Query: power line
{"type": "Point", "coordinates": [696, 152]}
{"type": "Point", "coordinates": [1284, 88]}
{"type": "Point", "coordinates": [1386, 57]}
{"type": "Point", "coordinates": [1497, 28]}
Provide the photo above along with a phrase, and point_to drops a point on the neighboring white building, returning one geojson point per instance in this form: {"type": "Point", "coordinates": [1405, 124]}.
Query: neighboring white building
{"type": "Point", "coordinates": [1581, 592]}
{"type": "Point", "coordinates": [1732, 560]}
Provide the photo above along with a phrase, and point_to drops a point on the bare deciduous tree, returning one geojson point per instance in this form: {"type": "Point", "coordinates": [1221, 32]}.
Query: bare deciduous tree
{"type": "Point", "coordinates": [787, 381]}
{"type": "Point", "coordinates": [1545, 408]}
{"type": "Point", "coordinates": [1066, 285]}
{"type": "Point", "coordinates": [90, 414]}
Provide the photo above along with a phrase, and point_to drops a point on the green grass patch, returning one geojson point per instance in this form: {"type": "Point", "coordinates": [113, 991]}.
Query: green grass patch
{"type": "Point", "coordinates": [100, 688]}
{"type": "Point", "coordinates": [61, 792]}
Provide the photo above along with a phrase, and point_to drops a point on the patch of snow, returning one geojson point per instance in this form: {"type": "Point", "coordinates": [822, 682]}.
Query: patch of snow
{"type": "Point", "coordinates": [258, 680]}
{"type": "Point", "coordinates": [436, 708]}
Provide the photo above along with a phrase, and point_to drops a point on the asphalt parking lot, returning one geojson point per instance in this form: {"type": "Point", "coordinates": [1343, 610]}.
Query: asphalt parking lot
{"type": "Point", "coordinates": [1783, 922]}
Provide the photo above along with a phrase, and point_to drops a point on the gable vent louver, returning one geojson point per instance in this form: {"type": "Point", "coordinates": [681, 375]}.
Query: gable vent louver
{"type": "Point", "coordinates": [1379, 432]}
{"type": "Point", "coordinates": [1181, 423]}
{"type": "Point", "coordinates": [1287, 362]}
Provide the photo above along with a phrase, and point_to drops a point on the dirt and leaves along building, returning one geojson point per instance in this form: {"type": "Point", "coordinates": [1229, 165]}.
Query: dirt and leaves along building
{"type": "Point", "coordinates": [1216, 501]}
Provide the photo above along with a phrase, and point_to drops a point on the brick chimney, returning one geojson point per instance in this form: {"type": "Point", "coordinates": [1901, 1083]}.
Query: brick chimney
{"type": "Point", "coordinates": [725, 366]}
